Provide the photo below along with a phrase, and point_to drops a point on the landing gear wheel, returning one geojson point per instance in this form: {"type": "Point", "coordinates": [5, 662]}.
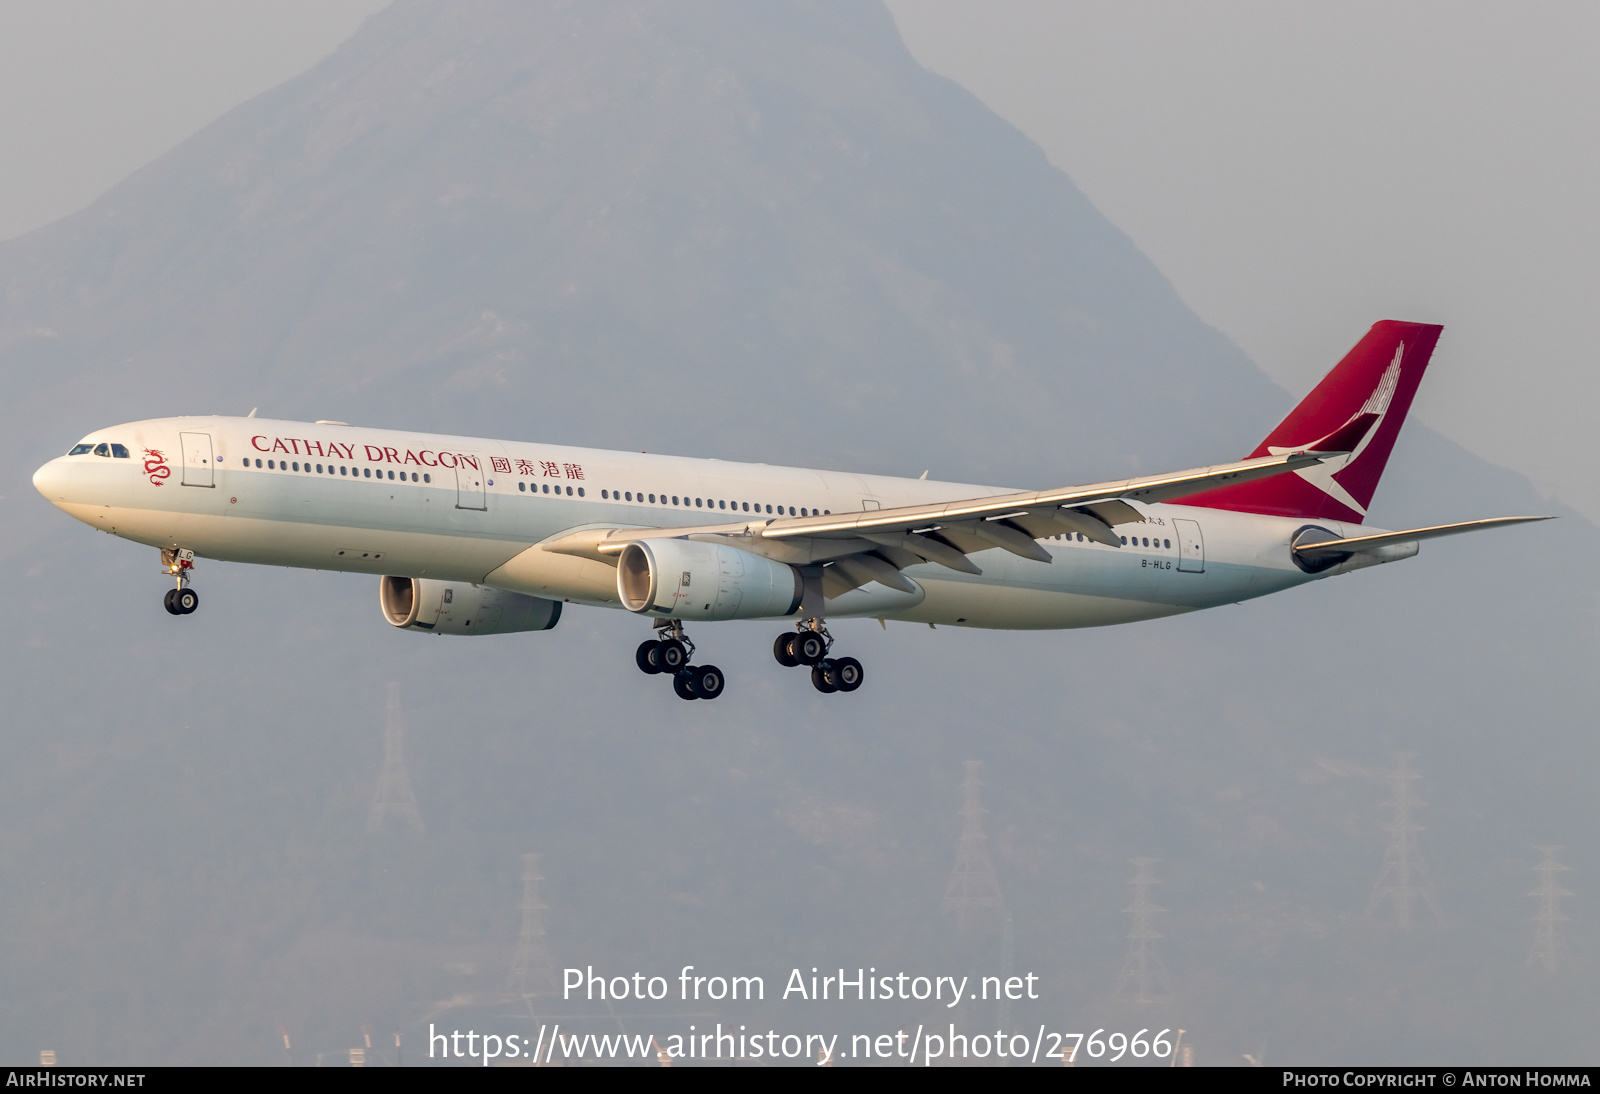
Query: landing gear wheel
{"type": "Point", "coordinates": [172, 609]}
{"type": "Point", "coordinates": [186, 601]}
{"type": "Point", "coordinates": [683, 684]}
{"type": "Point", "coordinates": [645, 657]}
{"type": "Point", "coordinates": [783, 650]}
{"type": "Point", "coordinates": [671, 656]}
{"type": "Point", "coordinates": [823, 679]}
{"type": "Point", "coordinates": [707, 681]}
{"type": "Point", "coordinates": [809, 647]}
{"type": "Point", "coordinates": [847, 673]}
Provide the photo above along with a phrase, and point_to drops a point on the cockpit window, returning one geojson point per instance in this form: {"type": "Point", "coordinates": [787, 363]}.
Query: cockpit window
{"type": "Point", "coordinates": [80, 449]}
{"type": "Point", "coordinates": [120, 451]}
{"type": "Point", "coordinates": [102, 449]}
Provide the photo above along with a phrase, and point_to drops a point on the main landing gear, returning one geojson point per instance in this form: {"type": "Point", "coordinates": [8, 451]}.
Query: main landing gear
{"type": "Point", "coordinates": [670, 655]}
{"type": "Point", "coordinates": [809, 645]}
{"type": "Point", "coordinates": [181, 600]}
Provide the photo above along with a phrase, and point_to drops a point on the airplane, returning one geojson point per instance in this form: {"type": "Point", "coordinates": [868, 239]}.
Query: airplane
{"type": "Point", "coordinates": [471, 536]}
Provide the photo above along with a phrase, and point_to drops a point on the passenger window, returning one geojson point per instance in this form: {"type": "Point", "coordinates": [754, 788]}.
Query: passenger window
{"type": "Point", "coordinates": [628, 494]}
{"type": "Point", "coordinates": [521, 487]}
{"type": "Point", "coordinates": [722, 504]}
{"type": "Point", "coordinates": [697, 503]}
{"type": "Point", "coordinates": [343, 471]}
{"type": "Point", "coordinates": [674, 499]}
{"type": "Point", "coordinates": [80, 449]}
{"type": "Point", "coordinates": [580, 491]}
{"type": "Point", "coordinates": [791, 510]}
{"type": "Point", "coordinates": [1166, 543]}
{"type": "Point", "coordinates": [652, 499]}
{"type": "Point", "coordinates": [426, 477]}
{"type": "Point", "coordinates": [366, 472]}
{"type": "Point", "coordinates": [121, 452]}
{"type": "Point", "coordinates": [746, 506]}
{"type": "Point", "coordinates": [297, 465]}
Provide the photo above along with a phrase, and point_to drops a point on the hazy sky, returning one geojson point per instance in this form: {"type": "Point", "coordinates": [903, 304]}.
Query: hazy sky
{"type": "Point", "coordinates": [1297, 170]}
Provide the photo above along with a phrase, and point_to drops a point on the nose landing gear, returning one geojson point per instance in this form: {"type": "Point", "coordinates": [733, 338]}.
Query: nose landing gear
{"type": "Point", "coordinates": [181, 600]}
{"type": "Point", "coordinates": [809, 645]}
{"type": "Point", "coordinates": [670, 655]}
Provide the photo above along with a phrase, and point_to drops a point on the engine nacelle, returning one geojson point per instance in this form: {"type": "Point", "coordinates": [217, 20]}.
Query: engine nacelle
{"type": "Point", "coordinates": [460, 607]}
{"type": "Point", "coordinates": [688, 579]}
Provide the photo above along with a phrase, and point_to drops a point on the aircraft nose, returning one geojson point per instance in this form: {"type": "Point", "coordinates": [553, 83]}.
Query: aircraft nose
{"type": "Point", "coordinates": [51, 480]}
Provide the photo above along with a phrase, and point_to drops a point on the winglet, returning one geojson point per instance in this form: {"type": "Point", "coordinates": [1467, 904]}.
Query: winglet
{"type": "Point", "coordinates": [1343, 441]}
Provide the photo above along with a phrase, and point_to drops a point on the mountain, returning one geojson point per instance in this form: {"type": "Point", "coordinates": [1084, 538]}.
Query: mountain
{"type": "Point", "coordinates": [756, 232]}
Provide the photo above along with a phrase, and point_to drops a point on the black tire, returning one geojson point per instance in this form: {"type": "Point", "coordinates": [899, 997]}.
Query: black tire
{"type": "Point", "coordinates": [707, 681]}
{"type": "Point", "coordinates": [167, 601]}
{"type": "Point", "coordinates": [683, 684]}
{"type": "Point", "coordinates": [810, 647]}
{"type": "Point", "coordinates": [671, 656]}
{"type": "Point", "coordinates": [186, 601]}
{"type": "Point", "coordinates": [783, 650]}
{"type": "Point", "coordinates": [848, 673]}
{"type": "Point", "coordinates": [822, 678]}
{"type": "Point", "coordinates": [645, 657]}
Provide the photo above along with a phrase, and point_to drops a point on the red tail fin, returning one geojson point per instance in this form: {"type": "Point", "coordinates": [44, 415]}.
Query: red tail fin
{"type": "Point", "coordinates": [1376, 378]}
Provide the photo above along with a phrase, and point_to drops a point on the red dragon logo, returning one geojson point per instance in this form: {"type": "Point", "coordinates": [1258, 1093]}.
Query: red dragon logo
{"type": "Point", "coordinates": [155, 465]}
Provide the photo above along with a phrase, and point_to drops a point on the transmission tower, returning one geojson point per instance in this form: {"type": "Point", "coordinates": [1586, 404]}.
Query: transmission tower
{"type": "Point", "coordinates": [1546, 929]}
{"type": "Point", "coordinates": [1404, 881]}
{"type": "Point", "coordinates": [394, 797]}
{"type": "Point", "coordinates": [1144, 977]}
{"type": "Point", "coordinates": [533, 974]}
{"type": "Point", "coordinates": [974, 892]}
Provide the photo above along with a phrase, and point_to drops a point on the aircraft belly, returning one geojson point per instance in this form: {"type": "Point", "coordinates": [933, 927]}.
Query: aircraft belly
{"type": "Point", "coordinates": [1008, 607]}
{"type": "Point", "coordinates": [1081, 588]}
{"type": "Point", "coordinates": [405, 553]}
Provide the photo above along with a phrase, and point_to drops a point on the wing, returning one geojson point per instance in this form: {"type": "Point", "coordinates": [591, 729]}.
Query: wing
{"type": "Point", "coordinates": [1357, 544]}
{"type": "Point", "coordinates": [876, 545]}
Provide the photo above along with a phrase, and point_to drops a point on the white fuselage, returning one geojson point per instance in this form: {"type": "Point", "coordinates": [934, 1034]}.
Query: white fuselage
{"type": "Point", "coordinates": [372, 501]}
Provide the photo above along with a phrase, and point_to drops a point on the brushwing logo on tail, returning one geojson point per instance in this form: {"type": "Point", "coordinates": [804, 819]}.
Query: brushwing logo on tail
{"type": "Point", "coordinates": [1321, 475]}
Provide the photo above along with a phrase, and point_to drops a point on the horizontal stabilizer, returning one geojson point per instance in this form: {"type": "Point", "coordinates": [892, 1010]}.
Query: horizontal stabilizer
{"type": "Point", "coordinates": [1356, 544]}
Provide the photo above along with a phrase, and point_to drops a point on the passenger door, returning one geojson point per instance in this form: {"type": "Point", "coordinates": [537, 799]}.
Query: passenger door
{"type": "Point", "coordinates": [471, 493]}
{"type": "Point", "coordinates": [1191, 546]}
{"type": "Point", "coordinates": [197, 460]}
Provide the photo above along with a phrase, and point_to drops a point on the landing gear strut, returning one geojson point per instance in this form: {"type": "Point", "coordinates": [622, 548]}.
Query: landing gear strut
{"type": "Point", "coordinates": [809, 645]}
{"type": "Point", "coordinates": [670, 655]}
{"type": "Point", "coordinates": [181, 600]}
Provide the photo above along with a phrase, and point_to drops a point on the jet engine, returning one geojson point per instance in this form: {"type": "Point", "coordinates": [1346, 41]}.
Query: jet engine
{"type": "Point", "coordinates": [688, 579]}
{"type": "Point", "coordinates": [460, 607]}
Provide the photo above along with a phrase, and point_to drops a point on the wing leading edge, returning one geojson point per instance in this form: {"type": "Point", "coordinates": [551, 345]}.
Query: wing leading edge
{"type": "Point", "coordinates": [875, 545]}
